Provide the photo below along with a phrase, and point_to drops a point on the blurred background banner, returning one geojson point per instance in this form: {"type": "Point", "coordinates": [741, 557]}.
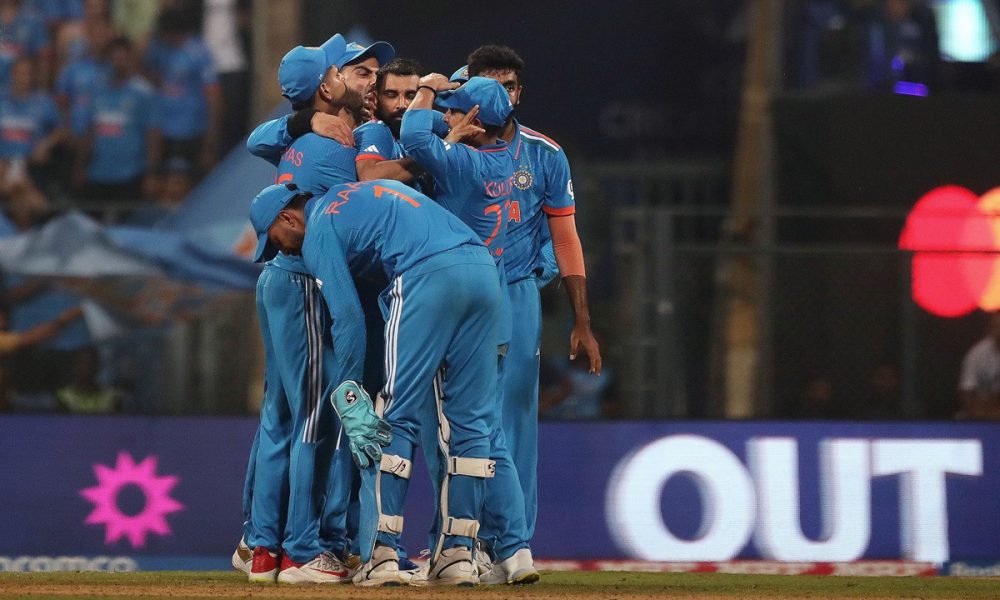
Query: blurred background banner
{"type": "Point", "coordinates": [165, 491]}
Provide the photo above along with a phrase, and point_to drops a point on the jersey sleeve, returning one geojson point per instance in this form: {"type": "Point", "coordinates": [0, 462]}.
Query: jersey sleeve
{"type": "Point", "coordinates": [439, 126]}
{"type": "Point", "coordinates": [558, 200]}
{"type": "Point", "coordinates": [270, 139]}
{"type": "Point", "coordinates": [324, 257]}
{"type": "Point", "coordinates": [374, 141]}
{"type": "Point", "coordinates": [437, 156]}
{"type": "Point", "coordinates": [151, 112]}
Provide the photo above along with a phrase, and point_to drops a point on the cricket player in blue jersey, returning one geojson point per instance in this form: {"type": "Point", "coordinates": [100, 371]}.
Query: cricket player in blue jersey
{"type": "Point", "coordinates": [380, 153]}
{"type": "Point", "coordinates": [541, 202]}
{"type": "Point", "coordinates": [295, 446]}
{"type": "Point", "coordinates": [357, 68]}
{"type": "Point", "coordinates": [442, 304]}
{"type": "Point", "coordinates": [473, 180]}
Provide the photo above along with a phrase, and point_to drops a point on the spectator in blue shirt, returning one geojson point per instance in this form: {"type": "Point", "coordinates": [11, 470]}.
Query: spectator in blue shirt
{"type": "Point", "coordinates": [21, 34]}
{"type": "Point", "coordinates": [86, 72]}
{"type": "Point", "coordinates": [119, 133]}
{"type": "Point", "coordinates": [182, 66]}
{"type": "Point", "coordinates": [29, 130]}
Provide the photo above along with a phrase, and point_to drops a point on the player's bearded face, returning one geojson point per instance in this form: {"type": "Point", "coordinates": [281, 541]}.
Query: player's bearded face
{"type": "Point", "coordinates": [396, 95]}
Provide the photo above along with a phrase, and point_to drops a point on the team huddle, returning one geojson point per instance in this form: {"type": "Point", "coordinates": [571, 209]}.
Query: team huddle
{"type": "Point", "coordinates": [404, 250]}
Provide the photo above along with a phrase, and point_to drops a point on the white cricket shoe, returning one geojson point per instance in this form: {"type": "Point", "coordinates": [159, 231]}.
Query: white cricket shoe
{"type": "Point", "coordinates": [516, 570]}
{"type": "Point", "coordinates": [382, 569]}
{"type": "Point", "coordinates": [243, 557]}
{"type": "Point", "coordinates": [453, 567]}
{"type": "Point", "coordinates": [325, 568]}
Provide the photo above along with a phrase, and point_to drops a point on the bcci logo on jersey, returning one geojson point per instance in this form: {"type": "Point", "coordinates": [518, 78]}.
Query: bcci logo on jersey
{"type": "Point", "coordinates": [522, 179]}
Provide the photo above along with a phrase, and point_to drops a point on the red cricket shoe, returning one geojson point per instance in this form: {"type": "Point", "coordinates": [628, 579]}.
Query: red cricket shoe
{"type": "Point", "coordinates": [265, 565]}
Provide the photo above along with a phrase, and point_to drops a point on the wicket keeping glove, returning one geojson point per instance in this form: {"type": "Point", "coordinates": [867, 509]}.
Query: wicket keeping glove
{"type": "Point", "coordinates": [366, 432]}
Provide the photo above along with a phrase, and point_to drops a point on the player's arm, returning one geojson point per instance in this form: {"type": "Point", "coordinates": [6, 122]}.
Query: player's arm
{"type": "Point", "coordinates": [438, 157]}
{"type": "Point", "coordinates": [403, 169]}
{"type": "Point", "coordinates": [560, 206]}
{"type": "Point", "coordinates": [268, 140]}
{"type": "Point", "coordinates": [375, 145]}
{"type": "Point", "coordinates": [324, 256]}
{"type": "Point", "coordinates": [569, 256]}
{"type": "Point", "coordinates": [48, 330]}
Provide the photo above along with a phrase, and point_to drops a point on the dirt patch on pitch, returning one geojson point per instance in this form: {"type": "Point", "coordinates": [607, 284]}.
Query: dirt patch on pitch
{"type": "Point", "coordinates": [347, 592]}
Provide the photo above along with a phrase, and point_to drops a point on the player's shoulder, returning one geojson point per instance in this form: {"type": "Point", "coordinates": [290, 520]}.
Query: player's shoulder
{"type": "Point", "coordinates": [536, 138]}
{"type": "Point", "coordinates": [372, 125]}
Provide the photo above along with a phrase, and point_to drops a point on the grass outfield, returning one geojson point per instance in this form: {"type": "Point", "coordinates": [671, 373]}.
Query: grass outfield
{"type": "Point", "coordinates": [177, 585]}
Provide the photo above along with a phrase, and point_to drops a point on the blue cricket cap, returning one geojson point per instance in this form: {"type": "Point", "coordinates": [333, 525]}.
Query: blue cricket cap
{"type": "Point", "coordinates": [494, 103]}
{"type": "Point", "coordinates": [264, 210]}
{"type": "Point", "coordinates": [302, 69]}
{"type": "Point", "coordinates": [382, 51]}
{"type": "Point", "coordinates": [461, 75]}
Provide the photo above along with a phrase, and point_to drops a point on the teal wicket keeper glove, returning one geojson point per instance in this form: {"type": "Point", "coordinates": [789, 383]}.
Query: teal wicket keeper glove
{"type": "Point", "coordinates": [366, 432]}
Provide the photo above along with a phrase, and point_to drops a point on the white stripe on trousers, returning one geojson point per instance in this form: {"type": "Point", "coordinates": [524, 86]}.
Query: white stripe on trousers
{"type": "Point", "coordinates": [314, 361]}
{"type": "Point", "coordinates": [392, 341]}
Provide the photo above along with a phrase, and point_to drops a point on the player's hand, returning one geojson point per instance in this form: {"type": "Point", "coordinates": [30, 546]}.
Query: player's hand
{"type": "Point", "coordinates": [464, 129]}
{"type": "Point", "coordinates": [151, 186]}
{"type": "Point", "coordinates": [332, 127]}
{"type": "Point", "coordinates": [583, 336]}
{"type": "Point", "coordinates": [368, 106]}
{"type": "Point", "coordinates": [438, 82]}
{"type": "Point", "coordinates": [366, 432]}
{"type": "Point", "coordinates": [366, 450]}
{"type": "Point", "coordinates": [40, 154]}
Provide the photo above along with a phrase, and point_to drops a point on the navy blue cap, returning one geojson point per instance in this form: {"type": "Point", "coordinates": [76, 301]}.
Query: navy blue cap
{"type": "Point", "coordinates": [382, 51]}
{"type": "Point", "coordinates": [492, 98]}
{"type": "Point", "coordinates": [264, 210]}
{"type": "Point", "coordinates": [461, 75]}
{"type": "Point", "coordinates": [302, 69]}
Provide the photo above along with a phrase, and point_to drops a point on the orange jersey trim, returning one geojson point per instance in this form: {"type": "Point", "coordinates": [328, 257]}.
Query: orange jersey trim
{"type": "Point", "coordinates": [559, 212]}
{"type": "Point", "coordinates": [375, 157]}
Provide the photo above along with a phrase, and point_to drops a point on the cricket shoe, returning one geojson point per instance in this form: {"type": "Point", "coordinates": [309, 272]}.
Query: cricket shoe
{"type": "Point", "coordinates": [352, 562]}
{"type": "Point", "coordinates": [382, 570]}
{"type": "Point", "coordinates": [325, 568]}
{"type": "Point", "coordinates": [264, 568]}
{"type": "Point", "coordinates": [516, 570]}
{"type": "Point", "coordinates": [243, 557]}
{"type": "Point", "coordinates": [454, 566]}
{"type": "Point", "coordinates": [484, 562]}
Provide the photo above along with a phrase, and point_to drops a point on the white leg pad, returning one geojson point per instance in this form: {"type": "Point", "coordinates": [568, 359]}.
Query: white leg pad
{"type": "Point", "coordinates": [472, 467]}
{"type": "Point", "coordinates": [390, 523]}
{"type": "Point", "coordinates": [396, 465]}
{"type": "Point", "coordinates": [464, 527]}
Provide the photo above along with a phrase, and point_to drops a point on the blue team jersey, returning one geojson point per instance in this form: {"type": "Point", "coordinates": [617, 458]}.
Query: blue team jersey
{"type": "Point", "coordinates": [316, 163]}
{"type": "Point", "coordinates": [472, 183]}
{"type": "Point", "coordinates": [374, 141]}
{"type": "Point", "coordinates": [379, 223]}
{"type": "Point", "coordinates": [185, 72]}
{"type": "Point", "coordinates": [26, 35]}
{"type": "Point", "coordinates": [24, 122]}
{"type": "Point", "coordinates": [120, 117]}
{"type": "Point", "coordinates": [542, 186]}
{"type": "Point", "coordinates": [77, 84]}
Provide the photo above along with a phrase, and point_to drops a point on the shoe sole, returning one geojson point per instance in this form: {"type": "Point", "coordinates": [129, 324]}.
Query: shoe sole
{"type": "Point", "coordinates": [524, 577]}
{"type": "Point", "coordinates": [380, 583]}
{"type": "Point", "coordinates": [271, 577]}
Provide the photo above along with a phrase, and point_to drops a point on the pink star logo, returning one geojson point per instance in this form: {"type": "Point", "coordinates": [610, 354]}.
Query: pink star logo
{"type": "Point", "coordinates": [105, 498]}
